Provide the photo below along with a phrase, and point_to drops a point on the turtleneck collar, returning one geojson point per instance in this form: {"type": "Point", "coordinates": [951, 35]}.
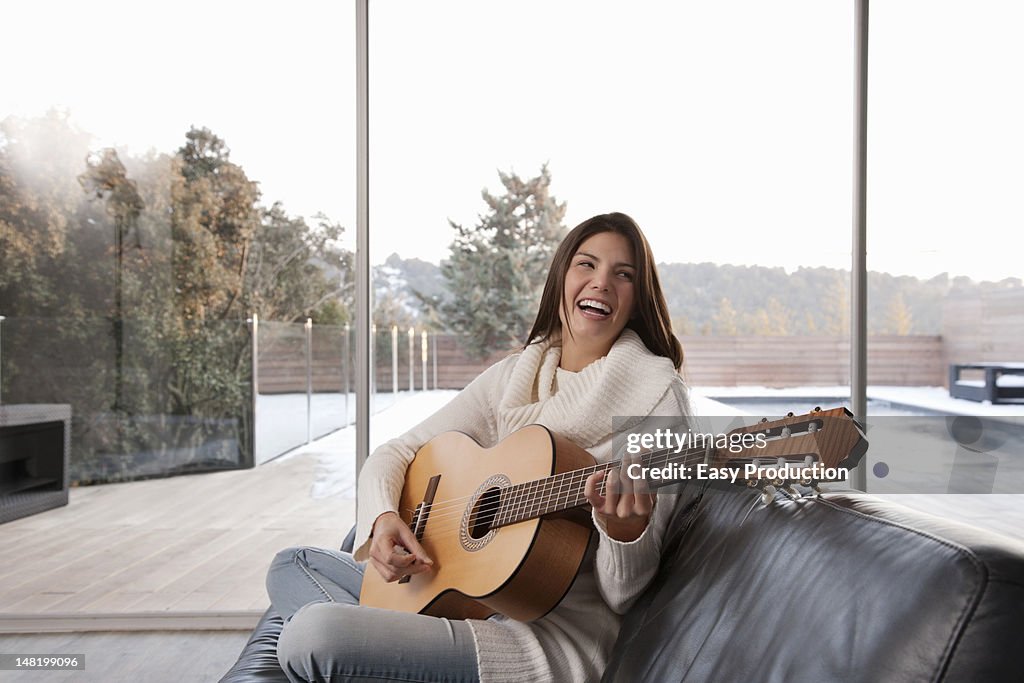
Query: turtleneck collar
{"type": "Point", "coordinates": [629, 381]}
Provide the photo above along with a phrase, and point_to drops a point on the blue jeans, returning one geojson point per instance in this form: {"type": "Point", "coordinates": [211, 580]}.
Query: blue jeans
{"type": "Point", "coordinates": [327, 636]}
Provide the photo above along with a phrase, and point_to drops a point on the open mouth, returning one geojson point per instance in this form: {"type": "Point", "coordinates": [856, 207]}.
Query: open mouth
{"type": "Point", "coordinates": [594, 309]}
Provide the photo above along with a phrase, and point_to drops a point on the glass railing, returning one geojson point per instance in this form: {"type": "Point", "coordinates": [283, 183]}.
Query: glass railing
{"type": "Point", "coordinates": [305, 384]}
{"type": "Point", "coordinates": [147, 399]}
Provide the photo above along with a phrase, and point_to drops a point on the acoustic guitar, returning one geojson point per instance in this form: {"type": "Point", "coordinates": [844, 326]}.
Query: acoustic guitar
{"type": "Point", "coordinates": [507, 528]}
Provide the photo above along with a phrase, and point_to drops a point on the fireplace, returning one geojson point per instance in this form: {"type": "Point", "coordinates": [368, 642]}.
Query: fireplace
{"type": "Point", "coordinates": [35, 445]}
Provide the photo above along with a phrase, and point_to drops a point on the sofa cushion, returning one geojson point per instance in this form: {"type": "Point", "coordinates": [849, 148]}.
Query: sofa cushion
{"type": "Point", "coordinates": [258, 661]}
{"type": "Point", "coordinates": [846, 587]}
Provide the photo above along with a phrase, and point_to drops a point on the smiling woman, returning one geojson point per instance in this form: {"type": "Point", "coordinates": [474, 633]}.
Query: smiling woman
{"type": "Point", "coordinates": [598, 298]}
{"type": "Point", "coordinates": [602, 280]}
{"type": "Point", "coordinates": [601, 346]}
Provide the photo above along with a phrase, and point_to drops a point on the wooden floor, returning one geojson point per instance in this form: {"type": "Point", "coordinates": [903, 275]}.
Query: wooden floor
{"type": "Point", "coordinates": [186, 552]}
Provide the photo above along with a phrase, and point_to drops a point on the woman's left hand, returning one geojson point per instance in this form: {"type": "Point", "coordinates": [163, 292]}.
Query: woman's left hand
{"type": "Point", "coordinates": [625, 506]}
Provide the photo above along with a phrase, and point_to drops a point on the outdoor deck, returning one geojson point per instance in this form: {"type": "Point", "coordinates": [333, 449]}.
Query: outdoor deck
{"type": "Point", "coordinates": [186, 552]}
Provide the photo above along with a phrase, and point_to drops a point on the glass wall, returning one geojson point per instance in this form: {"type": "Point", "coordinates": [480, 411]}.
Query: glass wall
{"type": "Point", "coordinates": [944, 217]}
{"type": "Point", "coordinates": [724, 129]}
{"type": "Point", "coordinates": [166, 173]}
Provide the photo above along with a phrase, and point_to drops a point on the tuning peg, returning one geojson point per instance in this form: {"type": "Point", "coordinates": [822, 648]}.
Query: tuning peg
{"type": "Point", "coordinates": [764, 419]}
{"type": "Point", "coordinates": [817, 409]}
{"type": "Point", "coordinates": [789, 414]}
{"type": "Point", "coordinates": [793, 492]}
{"type": "Point", "coordinates": [769, 494]}
{"type": "Point", "coordinates": [818, 490]}
{"type": "Point", "coordinates": [786, 432]}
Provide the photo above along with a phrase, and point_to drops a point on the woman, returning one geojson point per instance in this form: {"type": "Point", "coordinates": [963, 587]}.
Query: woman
{"type": "Point", "coordinates": [601, 345]}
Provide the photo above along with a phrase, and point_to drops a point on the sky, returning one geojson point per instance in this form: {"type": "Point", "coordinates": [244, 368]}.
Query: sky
{"type": "Point", "coordinates": [724, 128]}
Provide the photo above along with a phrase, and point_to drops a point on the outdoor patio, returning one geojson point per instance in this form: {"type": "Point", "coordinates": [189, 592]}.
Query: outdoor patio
{"type": "Point", "coordinates": [162, 580]}
{"type": "Point", "coordinates": [182, 552]}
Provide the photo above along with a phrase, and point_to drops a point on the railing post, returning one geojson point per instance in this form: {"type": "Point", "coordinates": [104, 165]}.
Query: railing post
{"type": "Point", "coordinates": [433, 341]}
{"type": "Point", "coordinates": [255, 322]}
{"type": "Point", "coordinates": [423, 357]}
{"type": "Point", "coordinates": [346, 352]}
{"type": "Point", "coordinates": [412, 360]}
{"type": "Point", "coordinates": [309, 380]}
{"type": "Point", "coordinates": [394, 360]}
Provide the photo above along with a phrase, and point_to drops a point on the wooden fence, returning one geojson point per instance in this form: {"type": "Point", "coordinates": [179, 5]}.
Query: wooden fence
{"type": "Point", "coordinates": [810, 361]}
{"type": "Point", "coordinates": [710, 361]}
{"type": "Point", "coordinates": [989, 327]}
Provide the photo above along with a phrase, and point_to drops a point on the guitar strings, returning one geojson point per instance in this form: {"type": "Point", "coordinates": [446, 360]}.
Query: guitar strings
{"type": "Point", "coordinates": [518, 506]}
{"type": "Point", "coordinates": [434, 532]}
{"type": "Point", "coordinates": [523, 489]}
{"type": "Point", "coordinates": [522, 495]}
{"type": "Point", "coordinates": [522, 501]}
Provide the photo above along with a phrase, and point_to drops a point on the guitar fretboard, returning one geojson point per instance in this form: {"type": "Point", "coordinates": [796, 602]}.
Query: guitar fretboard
{"type": "Point", "coordinates": [565, 491]}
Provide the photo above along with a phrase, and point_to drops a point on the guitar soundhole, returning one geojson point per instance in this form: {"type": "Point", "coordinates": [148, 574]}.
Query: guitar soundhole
{"type": "Point", "coordinates": [476, 528]}
{"type": "Point", "coordinates": [483, 513]}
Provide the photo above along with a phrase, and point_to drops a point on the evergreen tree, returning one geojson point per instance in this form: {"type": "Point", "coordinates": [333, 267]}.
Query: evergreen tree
{"type": "Point", "coordinates": [497, 267]}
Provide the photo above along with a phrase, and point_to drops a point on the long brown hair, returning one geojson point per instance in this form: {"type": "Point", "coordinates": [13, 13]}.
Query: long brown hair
{"type": "Point", "coordinates": [651, 319]}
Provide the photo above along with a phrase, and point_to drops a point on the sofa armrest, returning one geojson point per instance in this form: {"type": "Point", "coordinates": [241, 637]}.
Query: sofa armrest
{"type": "Point", "coordinates": [845, 587]}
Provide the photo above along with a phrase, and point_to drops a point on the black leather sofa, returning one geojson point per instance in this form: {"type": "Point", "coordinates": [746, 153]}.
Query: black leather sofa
{"type": "Point", "coordinates": [845, 587]}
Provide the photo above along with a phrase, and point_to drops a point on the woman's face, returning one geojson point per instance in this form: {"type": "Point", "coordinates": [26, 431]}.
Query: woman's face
{"type": "Point", "coordinates": [598, 298]}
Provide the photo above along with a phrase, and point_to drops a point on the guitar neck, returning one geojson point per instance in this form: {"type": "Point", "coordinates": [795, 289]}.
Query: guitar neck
{"type": "Point", "coordinates": [565, 491]}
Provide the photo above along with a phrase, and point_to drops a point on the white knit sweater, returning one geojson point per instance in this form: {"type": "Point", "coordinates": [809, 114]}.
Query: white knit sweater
{"type": "Point", "coordinates": [572, 642]}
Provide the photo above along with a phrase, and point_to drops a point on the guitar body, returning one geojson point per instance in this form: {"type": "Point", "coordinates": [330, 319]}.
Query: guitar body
{"type": "Point", "coordinates": [521, 570]}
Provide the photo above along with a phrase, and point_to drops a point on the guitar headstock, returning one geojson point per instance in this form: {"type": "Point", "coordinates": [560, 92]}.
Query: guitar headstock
{"type": "Point", "coordinates": [797, 449]}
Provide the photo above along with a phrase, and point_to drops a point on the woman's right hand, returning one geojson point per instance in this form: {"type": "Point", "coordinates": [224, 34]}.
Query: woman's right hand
{"type": "Point", "coordinates": [395, 552]}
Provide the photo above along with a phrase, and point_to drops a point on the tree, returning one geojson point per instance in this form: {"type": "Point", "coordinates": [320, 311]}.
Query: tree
{"type": "Point", "coordinates": [107, 179]}
{"type": "Point", "coordinates": [726, 320]}
{"type": "Point", "coordinates": [39, 159]}
{"type": "Point", "coordinates": [770, 320]}
{"type": "Point", "coordinates": [835, 306]}
{"type": "Point", "coordinates": [214, 221]}
{"type": "Point", "coordinates": [295, 271]}
{"type": "Point", "coordinates": [497, 267]}
{"type": "Point", "coordinates": [170, 251]}
{"type": "Point", "coordinates": [898, 319]}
